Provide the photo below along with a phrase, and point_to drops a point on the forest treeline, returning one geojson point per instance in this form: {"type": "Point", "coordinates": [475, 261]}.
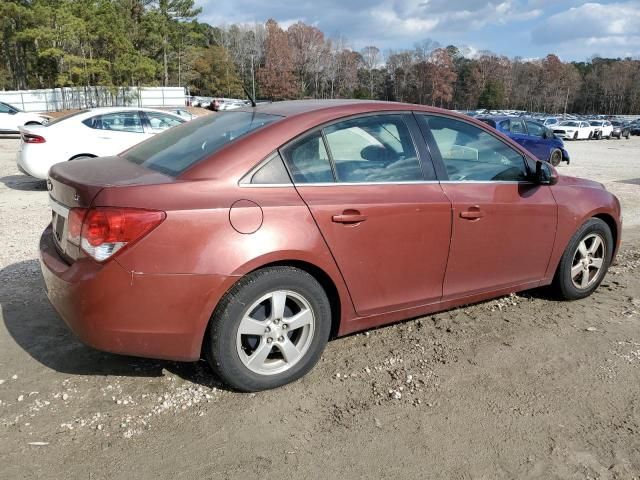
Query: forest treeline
{"type": "Point", "coordinates": [115, 43]}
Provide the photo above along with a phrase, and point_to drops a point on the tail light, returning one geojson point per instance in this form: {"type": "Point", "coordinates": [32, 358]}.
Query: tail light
{"type": "Point", "coordinates": [103, 231]}
{"type": "Point", "coordinates": [32, 138]}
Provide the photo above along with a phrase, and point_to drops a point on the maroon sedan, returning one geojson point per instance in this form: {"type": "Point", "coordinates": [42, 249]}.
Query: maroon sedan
{"type": "Point", "coordinates": [250, 237]}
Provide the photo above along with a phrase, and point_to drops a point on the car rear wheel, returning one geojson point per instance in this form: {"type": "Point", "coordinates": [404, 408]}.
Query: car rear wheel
{"type": "Point", "coordinates": [269, 330]}
{"type": "Point", "coordinates": [555, 158]}
{"type": "Point", "coordinates": [585, 261]}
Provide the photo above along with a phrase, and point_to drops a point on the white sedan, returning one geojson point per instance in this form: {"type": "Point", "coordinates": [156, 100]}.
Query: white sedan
{"type": "Point", "coordinates": [573, 130]}
{"type": "Point", "coordinates": [12, 118]}
{"type": "Point", "coordinates": [97, 132]}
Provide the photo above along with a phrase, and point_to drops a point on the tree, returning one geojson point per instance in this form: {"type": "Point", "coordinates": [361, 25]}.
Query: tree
{"type": "Point", "coordinates": [276, 76]}
{"type": "Point", "coordinates": [169, 13]}
{"type": "Point", "coordinates": [370, 59]}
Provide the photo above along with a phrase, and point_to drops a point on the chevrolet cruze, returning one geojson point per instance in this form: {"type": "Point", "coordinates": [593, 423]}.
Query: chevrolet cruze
{"type": "Point", "coordinates": [251, 237]}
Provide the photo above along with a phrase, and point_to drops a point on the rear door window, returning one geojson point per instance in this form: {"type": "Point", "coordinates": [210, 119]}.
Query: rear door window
{"type": "Point", "coordinates": [373, 149]}
{"type": "Point", "coordinates": [308, 160]}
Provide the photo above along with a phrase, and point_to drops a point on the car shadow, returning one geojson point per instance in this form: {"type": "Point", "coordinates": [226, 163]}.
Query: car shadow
{"type": "Point", "coordinates": [24, 182]}
{"type": "Point", "coordinates": [37, 328]}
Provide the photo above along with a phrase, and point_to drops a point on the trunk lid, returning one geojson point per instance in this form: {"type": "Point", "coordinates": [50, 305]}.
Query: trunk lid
{"type": "Point", "coordinates": [75, 184]}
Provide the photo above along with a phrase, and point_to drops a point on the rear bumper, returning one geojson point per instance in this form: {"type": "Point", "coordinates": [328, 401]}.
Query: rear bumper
{"type": "Point", "coordinates": [111, 309]}
{"type": "Point", "coordinates": [31, 166]}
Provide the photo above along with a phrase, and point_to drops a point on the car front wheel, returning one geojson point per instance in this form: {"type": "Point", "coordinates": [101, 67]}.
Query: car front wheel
{"type": "Point", "coordinates": [585, 261]}
{"type": "Point", "coordinates": [555, 158]}
{"type": "Point", "coordinates": [269, 330]}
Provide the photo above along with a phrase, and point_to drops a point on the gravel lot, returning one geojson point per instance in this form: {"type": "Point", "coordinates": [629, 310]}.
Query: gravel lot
{"type": "Point", "coordinates": [519, 387]}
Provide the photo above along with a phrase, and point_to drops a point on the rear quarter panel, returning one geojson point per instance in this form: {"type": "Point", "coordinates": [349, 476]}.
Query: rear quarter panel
{"type": "Point", "coordinates": [197, 237]}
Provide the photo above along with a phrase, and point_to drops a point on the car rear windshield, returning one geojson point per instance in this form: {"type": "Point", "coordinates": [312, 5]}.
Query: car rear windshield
{"type": "Point", "coordinates": [179, 148]}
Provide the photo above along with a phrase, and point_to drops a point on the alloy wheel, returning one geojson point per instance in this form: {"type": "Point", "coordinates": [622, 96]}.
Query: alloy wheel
{"type": "Point", "coordinates": [275, 332]}
{"type": "Point", "coordinates": [588, 260]}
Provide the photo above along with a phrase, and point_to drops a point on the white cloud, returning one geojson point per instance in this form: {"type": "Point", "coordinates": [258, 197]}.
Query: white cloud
{"type": "Point", "coordinates": [620, 21]}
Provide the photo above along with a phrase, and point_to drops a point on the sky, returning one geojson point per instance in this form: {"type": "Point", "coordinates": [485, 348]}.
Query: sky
{"type": "Point", "coordinates": [571, 29]}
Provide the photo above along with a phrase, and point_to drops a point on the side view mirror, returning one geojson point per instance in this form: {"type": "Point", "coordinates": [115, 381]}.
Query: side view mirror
{"type": "Point", "coordinates": [545, 174]}
{"type": "Point", "coordinates": [12, 112]}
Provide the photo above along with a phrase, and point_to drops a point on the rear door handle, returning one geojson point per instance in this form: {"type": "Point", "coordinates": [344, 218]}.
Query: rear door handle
{"type": "Point", "coordinates": [473, 213]}
{"type": "Point", "coordinates": [349, 216]}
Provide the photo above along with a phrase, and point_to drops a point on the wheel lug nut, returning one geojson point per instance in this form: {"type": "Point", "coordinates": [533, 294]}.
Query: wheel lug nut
{"type": "Point", "coordinates": [276, 321]}
{"type": "Point", "coordinates": [280, 338]}
{"type": "Point", "coordinates": [284, 326]}
{"type": "Point", "coordinates": [269, 340]}
{"type": "Point", "coordinates": [268, 329]}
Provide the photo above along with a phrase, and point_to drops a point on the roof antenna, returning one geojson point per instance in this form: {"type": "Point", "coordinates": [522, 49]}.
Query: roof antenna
{"type": "Point", "coordinates": [251, 99]}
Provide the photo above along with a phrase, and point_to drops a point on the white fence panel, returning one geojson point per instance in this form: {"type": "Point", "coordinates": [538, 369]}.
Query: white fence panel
{"type": "Point", "coordinates": [53, 99]}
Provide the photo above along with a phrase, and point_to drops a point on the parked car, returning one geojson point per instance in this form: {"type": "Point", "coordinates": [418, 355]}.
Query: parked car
{"type": "Point", "coordinates": [535, 137]}
{"type": "Point", "coordinates": [634, 128]}
{"type": "Point", "coordinates": [620, 130]}
{"type": "Point", "coordinates": [252, 236]}
{"type": "Point", "coordinates": [12, 118]}
{"type": "Point", "coordinates": [603, 129]}
{"type": "Point", "coordinates": [574, 130]}
{"type": "Point", "coordinates": [550, 122]}
{"type": "Point", "coordinates": [88, 133]}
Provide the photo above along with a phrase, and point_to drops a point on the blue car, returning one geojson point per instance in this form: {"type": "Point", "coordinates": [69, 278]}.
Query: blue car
{"type": "Point", "coordinates": [533, 136]}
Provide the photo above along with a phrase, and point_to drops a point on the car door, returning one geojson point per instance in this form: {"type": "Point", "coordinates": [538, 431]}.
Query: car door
{"type": "Point", "coordinates": [518, 132]}
{"type": "Point", "coordinates": [115, 132]}
{"type": "Point", "coordinates": [384, 217]}
{"type": "Point", "coordinates": [503, 225]}
{"type": "Point", "coordinates": [537, 143]}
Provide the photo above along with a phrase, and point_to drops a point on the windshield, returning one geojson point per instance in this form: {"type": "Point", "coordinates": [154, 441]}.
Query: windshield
{"type": "Point", "coordinates": [569, 124]}
{"type": "Point", "coordinates": [177, 149]}
{"type": "Point", "coordinates": [596, 124]}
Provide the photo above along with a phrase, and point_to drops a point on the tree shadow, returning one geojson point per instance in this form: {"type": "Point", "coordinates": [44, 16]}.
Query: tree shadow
{"type": "Point", "coordinates": [24, 182]}
{"type": "Point", "coordinates": [37, 328]}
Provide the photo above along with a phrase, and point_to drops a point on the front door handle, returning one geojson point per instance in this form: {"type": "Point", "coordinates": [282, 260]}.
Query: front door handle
{"type": "Point", "coordinates": [349, 216]}
{"type": "Point", "coordinates": [473, 213]}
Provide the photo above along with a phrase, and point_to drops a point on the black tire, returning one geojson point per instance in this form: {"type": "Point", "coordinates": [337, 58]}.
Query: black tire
{"type": "Point", "coordinates": [220, 347]}
{"type": "Point", "coordinates": [627, 136]}
{"type": "Point", "coordinates": [556, 157]}
{"type": "Point", "coordinates": [599, 136]}
{"type": "Point", "coordinates": [563, 285]}
{"type": "Point", "coordinates": [575, 136]}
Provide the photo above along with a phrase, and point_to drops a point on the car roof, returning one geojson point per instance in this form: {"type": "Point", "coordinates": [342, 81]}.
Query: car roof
{"type": "Point", "coordinates": [289, 108]}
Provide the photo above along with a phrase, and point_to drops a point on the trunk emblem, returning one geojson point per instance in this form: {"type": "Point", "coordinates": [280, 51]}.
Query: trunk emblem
{"type": "Point", "coordinates": [76, 197]}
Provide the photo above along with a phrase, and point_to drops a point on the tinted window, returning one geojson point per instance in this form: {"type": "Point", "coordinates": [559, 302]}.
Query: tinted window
{"type": "Point", "coordinates": [517, 126]}
{"type": "Point", "coordinates": [5, 108]}
{"type": "Point", "coordinates": [373, 149]}
{"type": "Point", "coordinates": [471, 154]}
{"type": "Point", "coordinates": [308, 160]}
{"type": "Point", "coordinates": [118, 121]}
{"type": "Point", "coordinates": [177, 149]}
{"type": "Point", "coordinates": [271, 173]}
{"type": "Point", "coordinates": [159, 122]}
{"type": "Point", "coordinates": [536, 129]}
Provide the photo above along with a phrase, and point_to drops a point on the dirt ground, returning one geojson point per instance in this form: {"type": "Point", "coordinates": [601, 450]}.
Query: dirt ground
{"type": "Point", "coordinates": [518, 387]}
